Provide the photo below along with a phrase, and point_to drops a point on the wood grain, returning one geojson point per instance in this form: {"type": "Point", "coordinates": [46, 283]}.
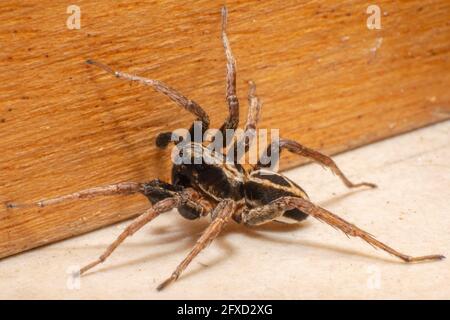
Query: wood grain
{"type": "Point", "coordinates": [324, 78]}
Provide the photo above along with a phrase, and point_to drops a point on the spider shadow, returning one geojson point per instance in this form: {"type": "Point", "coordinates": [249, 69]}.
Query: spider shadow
{"type": "Point", "coordinates": [257, 234]}
{"type": "Point", "coordinates": [263, 232]}
{"type": "Point", "coordinates": [187, 232]}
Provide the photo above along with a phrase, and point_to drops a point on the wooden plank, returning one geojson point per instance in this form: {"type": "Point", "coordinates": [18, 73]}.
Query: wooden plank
{"type": "Point", "coordinates": [324, 77]}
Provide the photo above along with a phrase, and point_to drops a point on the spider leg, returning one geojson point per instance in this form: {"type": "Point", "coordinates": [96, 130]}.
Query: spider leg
{"type": "Point", "coordinates": [253, 116]}
{"type": "Point", "coordinates": [221, 215]}
{"type": "Point", "coordinates": [232, 120]}
{"type": "Point", "coordinates": [112, 189]}
{"type": "Point", "coordinates": [254, 113]}
{"type": "Point", "coordinates": [197, 206]}
{"type": "Point", "coordinates": [150, 214]}
{"type": "Point", "coordinates": [277, 207]}
{"type": "Point", "coordinates": [190, 105]}
{"type": "Point", "coordinates": [322, 159]}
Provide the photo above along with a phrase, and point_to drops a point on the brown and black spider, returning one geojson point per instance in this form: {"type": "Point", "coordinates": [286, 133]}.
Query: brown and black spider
{"type": "Point", "coordinates": [225, 191]}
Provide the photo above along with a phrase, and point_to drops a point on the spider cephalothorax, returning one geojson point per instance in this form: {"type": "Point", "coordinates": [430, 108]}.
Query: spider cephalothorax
{"type": "Point", "coordinates": [225, 191]}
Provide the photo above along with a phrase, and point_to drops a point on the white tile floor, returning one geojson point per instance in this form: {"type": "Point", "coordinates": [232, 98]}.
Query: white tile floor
{"type": "Point", "coordinates": [410, 211]}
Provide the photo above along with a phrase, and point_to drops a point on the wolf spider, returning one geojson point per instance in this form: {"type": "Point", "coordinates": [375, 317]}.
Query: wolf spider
{"type": "Point", "coordinates": [222, 190]}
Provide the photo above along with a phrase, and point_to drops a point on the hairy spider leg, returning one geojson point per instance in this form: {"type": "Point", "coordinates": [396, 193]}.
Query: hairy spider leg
{"type": "Point", "coordinates": [232, 121]}
{"type": "Point", "coordinates": [150, 214]}
{"type": "Point", "coordinates": [193, 107]}
{"type": "Point", "coordinates": [157, 190]}
{"type": "Point", "coordinates": [112, 189]}
{"type": "Point", "coordinates": [276, 208]}
{"type": "Point", "coordinates": [253, 115]}
{"type": "Point", "coordinates": [186, 197]}
{"type": "Point", "coordinates": [320, 158]}
{"type": "Point", "coordinates": [221, 216]}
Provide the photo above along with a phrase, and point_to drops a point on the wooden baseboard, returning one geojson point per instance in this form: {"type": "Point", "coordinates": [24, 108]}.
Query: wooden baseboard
{"type": "Point", "coordinates": [325, 79]}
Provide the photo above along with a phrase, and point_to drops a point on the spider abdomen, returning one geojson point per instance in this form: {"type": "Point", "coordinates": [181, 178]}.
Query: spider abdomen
{"type": "Point", "coordinates": [265, 186]}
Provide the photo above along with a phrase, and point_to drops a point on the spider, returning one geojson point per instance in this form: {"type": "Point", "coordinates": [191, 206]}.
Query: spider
{"type": "Point", "coordinates": [224, 191]}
